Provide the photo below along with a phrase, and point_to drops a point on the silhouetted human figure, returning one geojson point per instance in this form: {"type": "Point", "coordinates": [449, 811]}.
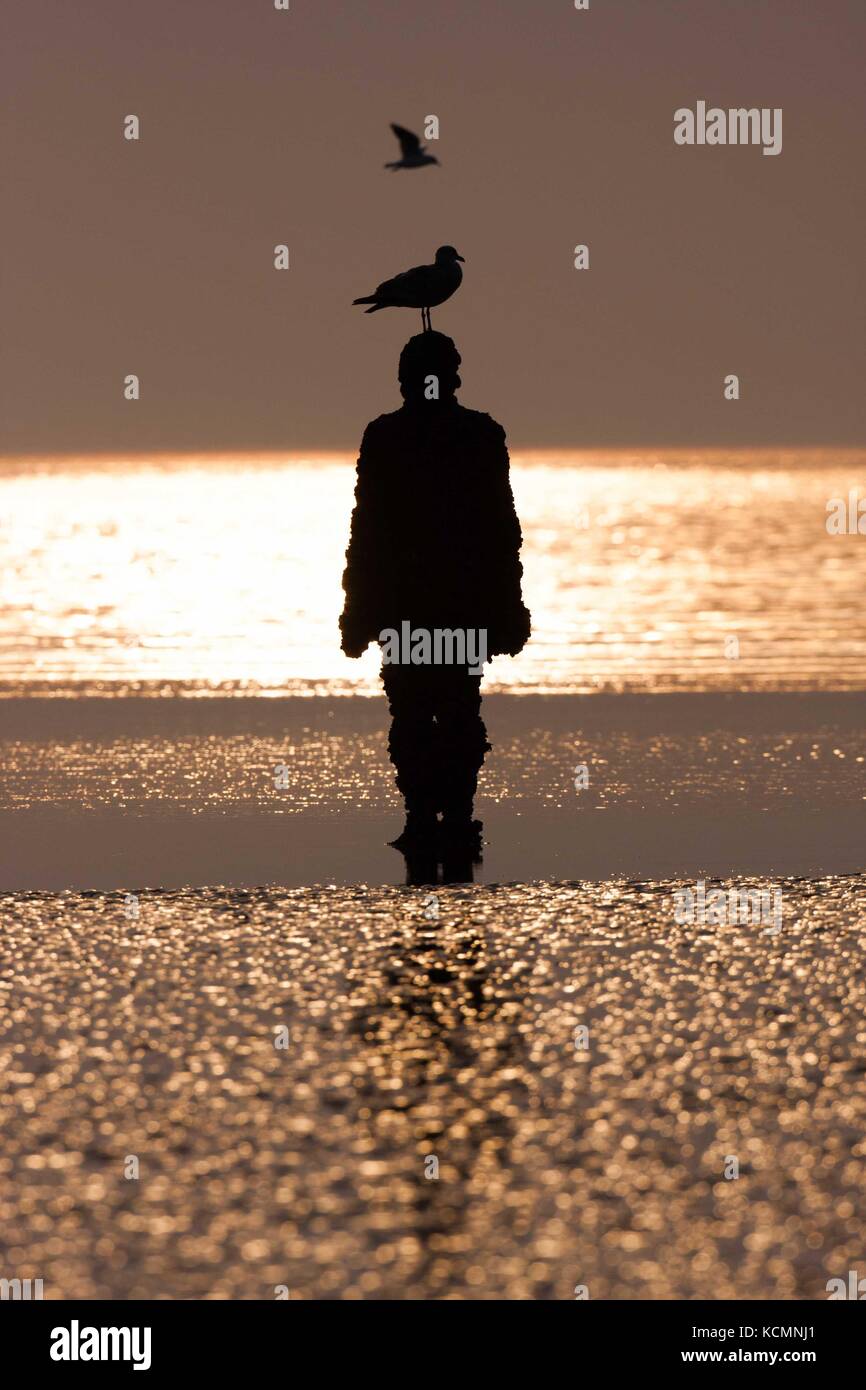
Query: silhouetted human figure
{"type": "Point", "coordinates": [435, 545]}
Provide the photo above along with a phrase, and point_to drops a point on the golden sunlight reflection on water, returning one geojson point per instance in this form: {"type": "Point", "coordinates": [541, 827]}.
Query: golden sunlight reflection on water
{"type": "Point", "coordinates": [197, 574]}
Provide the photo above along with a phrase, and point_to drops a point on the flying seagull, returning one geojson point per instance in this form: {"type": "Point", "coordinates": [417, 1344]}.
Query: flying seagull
{"type": "Point", "coordinates": [412, 153]}
{"type": "Point", "coordinates": [419, 288]}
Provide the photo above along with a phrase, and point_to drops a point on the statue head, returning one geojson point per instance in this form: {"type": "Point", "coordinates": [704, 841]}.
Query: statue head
{"type": "Point", "coordinates": [428, 368]}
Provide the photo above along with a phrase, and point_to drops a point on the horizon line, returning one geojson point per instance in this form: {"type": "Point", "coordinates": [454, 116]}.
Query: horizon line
{"type": "Point", "coordinates": [521, 454]}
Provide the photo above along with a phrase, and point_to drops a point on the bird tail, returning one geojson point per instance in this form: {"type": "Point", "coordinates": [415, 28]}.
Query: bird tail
{"type": "Point", "coordinates": [369, 299]}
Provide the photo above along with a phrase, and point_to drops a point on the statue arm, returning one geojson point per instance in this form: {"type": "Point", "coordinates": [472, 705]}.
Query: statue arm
{"type": "Point", "coordinates": [365, 559]}
{"type": "Point", "coordinates": [510, 619]}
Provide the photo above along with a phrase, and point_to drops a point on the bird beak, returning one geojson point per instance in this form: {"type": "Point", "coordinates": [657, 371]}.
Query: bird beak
{"type": "Point", "coordinates": [460, 258]}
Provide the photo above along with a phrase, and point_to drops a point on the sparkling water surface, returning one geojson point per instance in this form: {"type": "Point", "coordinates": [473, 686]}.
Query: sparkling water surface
{"type": "Point", "coordinates": [223, 574]}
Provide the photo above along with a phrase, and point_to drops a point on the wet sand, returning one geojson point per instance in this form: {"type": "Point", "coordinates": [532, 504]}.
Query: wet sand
{"type": "Point", "coordinates": [413, 1038]}
{"type": "Point", "coordinates": [430, 1024]}
{"type": "Point", "coordinates": [169, 793]}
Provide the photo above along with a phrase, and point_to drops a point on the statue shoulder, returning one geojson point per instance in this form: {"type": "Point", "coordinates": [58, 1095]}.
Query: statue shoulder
{"type": "Point", "coordinates": [487, 433]}
{"type": "Point", "coordinates": [379, 432]}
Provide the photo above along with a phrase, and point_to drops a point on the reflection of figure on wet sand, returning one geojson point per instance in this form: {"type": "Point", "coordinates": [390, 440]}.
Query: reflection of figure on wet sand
{"type": "Point", "coordinates": [428, 1020]}
{"type": "Point", "coordinates": [423, 858]}
{"type": "Point", "coordinates": [433, 574]}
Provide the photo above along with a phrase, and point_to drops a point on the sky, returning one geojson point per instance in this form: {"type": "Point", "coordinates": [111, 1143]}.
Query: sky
{"type": "Point", "coordinates": [261, 127]}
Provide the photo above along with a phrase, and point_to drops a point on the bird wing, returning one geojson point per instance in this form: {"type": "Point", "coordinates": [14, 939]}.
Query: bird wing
{"type": "Point", "coordinates": [409, 143]}
{"type": "Point", "coordinates": [409, 285]}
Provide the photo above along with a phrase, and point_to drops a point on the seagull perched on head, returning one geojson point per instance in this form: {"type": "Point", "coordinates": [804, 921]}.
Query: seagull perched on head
{"type": "Point", "coordinates": [412, 153]}
{"type": "Point", "coordinates": [419, 288]}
